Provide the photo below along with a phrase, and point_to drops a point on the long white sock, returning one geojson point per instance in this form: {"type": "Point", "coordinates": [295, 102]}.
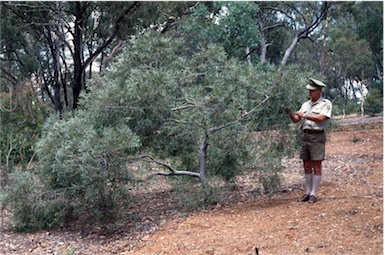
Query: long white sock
{"type": "Point", "coordinates": [308, 183]}
{"type": "Point", "coordinates": [316, 184]}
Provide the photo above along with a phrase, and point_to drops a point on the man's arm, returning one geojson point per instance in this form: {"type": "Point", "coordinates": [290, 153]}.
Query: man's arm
{"type": "Point", "coordinates": [312, 117]}
{"type": "Point", "coordinates": [293, 116]}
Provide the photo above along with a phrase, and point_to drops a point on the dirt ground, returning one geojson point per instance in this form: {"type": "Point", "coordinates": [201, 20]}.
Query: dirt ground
{"type": "Point", "coordinates": [347, 219]}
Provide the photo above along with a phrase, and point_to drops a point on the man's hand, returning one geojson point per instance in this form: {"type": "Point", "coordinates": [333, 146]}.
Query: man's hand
{"type": "Point", "coordinates": [294, 116]}
{"type": "Point", "coordinates": [301, 115]}
{"type": "Point", "coordinates": [288, 111]}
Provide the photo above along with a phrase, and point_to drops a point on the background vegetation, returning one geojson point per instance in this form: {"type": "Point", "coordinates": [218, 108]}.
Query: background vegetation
{"type": "Point", "coordinates": [89, 90]}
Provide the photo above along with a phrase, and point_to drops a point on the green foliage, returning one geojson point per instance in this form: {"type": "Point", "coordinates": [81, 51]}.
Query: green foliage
{"type": "Point", "coordinates": [191, 197]}
{"type": "Point", "coordinates": [343, 106]}
{"type": "Point", "coordinates": [30, 206]}
{"type": "Point", "coordinates": [272, 148]}
{"type": "Point", "coordinates": [87, 161]}
{"type": "Point", "coordinates": [16, 148]}
{"type": "Point", "coordinates": [269, 178]}
{"type": "Point", "coordinates": [238, 28]}
{"type": "Point", "coordinates": [160, 99]}
{"type": "Point", "coordinates": [350, 55]}
{"type": "Point", "coordinates": [81, 173]}
{"type": "Point", "coordinates": [199, 28]}
{"type": "Point", "coordinates": [369, 25]}
{"type": "Point", "coordinates": [230, 25]}
{"type": "Point", "coordinates": [21, 117]}
{"type": "Point", "coordinates": [16, 44]}
{"type": "Point", "coordinates": [174, 97]}
{"type": "Point", "coordinates": [286, 89]}
{"type": "Point", "coordinates": [231, 154]}
{"type": "Point", "coordinates": [374, 101]}
{"type": "Point", "coordinates": [171, 98]}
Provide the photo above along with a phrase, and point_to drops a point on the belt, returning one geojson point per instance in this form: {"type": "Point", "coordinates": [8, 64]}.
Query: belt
{"type": "Point", "coordinates": [310, 131]}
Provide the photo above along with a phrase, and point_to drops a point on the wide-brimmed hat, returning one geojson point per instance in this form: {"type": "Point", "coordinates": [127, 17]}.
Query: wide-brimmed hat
{"type": "Point", "coordinates": [315, 84]}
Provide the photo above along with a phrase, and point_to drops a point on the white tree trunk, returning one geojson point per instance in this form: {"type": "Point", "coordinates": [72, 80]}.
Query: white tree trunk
{"type": "Point", "coordinates": [289, 50]}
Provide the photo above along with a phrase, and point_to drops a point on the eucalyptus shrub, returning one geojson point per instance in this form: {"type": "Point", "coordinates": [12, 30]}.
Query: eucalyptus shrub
{"type": "Point", "coordinates": [81, 173]}
{"type": "Point", "coordinates": [30, 205]}
{"type": "Point", "coordinates": [86, 162]}
{"type": "Point", "coordinates": [176, 101]}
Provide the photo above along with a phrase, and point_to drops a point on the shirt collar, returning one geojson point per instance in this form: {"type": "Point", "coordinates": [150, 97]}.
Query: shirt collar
{"type": "Point", "coordinates": [316, 102]}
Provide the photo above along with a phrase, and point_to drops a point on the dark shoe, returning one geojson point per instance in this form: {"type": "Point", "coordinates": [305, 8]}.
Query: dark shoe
{"type": "Point", "coordinates": [312, 199]}
{"type": "Point", "coordinates": [304, 198]}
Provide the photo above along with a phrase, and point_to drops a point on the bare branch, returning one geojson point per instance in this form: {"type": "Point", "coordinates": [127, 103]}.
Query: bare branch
{"type": "Point", "coordinates": [242, 115]}
{"type": "Point", "coordinates": [180, 121]}
{"type": "Point", "coordinates": [182, 107]}
{"type": "Point", "coordinates": [118, 23]}
{"type": "Point", "coordinates": [120, 45]}
{"type": "Point", "coordinates": [172, 171]}
{"type": "Point", "coordinates": [9, 76]}
{"type": "Point", "coordinates": [274, 26]}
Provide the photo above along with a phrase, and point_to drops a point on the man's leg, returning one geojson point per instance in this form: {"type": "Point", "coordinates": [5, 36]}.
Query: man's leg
{"type": "Point", "coordinates": [308, 167]}
{"type": "Point", "coordinates": [316, 181]}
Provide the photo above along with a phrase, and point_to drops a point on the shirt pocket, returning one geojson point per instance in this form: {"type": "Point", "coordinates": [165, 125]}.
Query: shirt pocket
{"type": "Point", "coordinates": [316, 110]}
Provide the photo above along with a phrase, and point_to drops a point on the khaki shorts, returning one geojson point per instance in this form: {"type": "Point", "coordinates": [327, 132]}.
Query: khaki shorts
{"type": "Point", "coordinates": [313, 146]}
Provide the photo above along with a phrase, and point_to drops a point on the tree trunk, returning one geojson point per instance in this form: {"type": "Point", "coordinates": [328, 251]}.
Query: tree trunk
{"type": "Point", "coordinates": [324, 50]}
{"type": "Point", "coordinates": [248, 57]}
{"type": "Point", "coordinates": [378, 67]}
{"type": "Point", "coordinates": [78, 51]}
{"type": "Point", "coordinates": [304, 33]}
{"type": "Point", "coordinates": [54, 48]}
{"type": "Point", "coordinates": [106, 59]}
{"type": "Point", "coordinates": [263, 54]}
{"type": "Point", "coordinates": [261, 29]}
{"type": "Point", "coordinates": [362, 103]}
{"type": "Point", "coordinates": [80, 64]}
{"type": "Point", "coordinates": [202, 160]}
{"type": "Point", "coordinates": [290, 49]}
{"type": "Point", "coordinates": [57, 85]}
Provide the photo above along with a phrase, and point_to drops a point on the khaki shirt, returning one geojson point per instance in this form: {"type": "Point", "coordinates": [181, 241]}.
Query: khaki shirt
{"type": "Point", "coordinates": [321, 106]}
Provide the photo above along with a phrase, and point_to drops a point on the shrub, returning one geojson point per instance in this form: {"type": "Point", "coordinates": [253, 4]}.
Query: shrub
{"type": "Point", "coordinates": [21, 118]}
{"type": "Point", "coordinates": [374, 101]}
{"type": "Point", "coordinates": [191, 197]}
{"type": "Point", "coordinates": [31, 206]}
{"type": "Point", "coordinates": [87, 161]}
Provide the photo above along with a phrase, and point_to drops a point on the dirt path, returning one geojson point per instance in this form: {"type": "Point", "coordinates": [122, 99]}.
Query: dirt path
{"type": "Point", "coordinates": [348, 219]}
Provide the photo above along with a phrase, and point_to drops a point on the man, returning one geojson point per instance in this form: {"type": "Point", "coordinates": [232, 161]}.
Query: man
{"type": "Point", "coordinates": [315, 115]}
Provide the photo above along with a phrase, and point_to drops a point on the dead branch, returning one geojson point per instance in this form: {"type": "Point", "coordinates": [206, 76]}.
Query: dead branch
{"type": "Point", "coordinates": [172, 171]}
{"type": "Point", "coordinates": [241, 116]}
{"type": "Point", "coordinates": [182, 107]}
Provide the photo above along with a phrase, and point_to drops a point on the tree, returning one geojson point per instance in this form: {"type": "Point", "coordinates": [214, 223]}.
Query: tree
{"type": "Point", "coordinates": [177, 106]}
{"type": "Point", "coordinates": [39, 56]}
{"type": "Point", "coordinates": [228, 24]}
{"type": "Point", "coordinates": [64, 40]}
{"type": "Point", "coordinates": [81, 63]}
{"type": "Point", "coordinates": [304, 25]}
{"type": "Point", "coordinates": [349, 65]}
{"type": "Point", "coordinates": [182, 98]}
{"type": "Point", "coordinates": [238, 30]}
{"type": "Point", "coordinates": [267, 20]}
{"type": "Point", "coordinates": [368, 17]}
